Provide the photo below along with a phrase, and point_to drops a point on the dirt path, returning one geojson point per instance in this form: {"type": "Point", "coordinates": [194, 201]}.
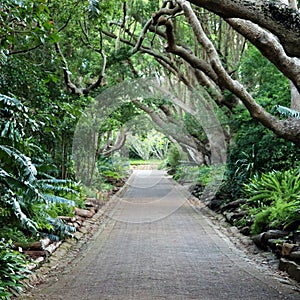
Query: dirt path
{"type": "Point", "coordinates": [155, 246]}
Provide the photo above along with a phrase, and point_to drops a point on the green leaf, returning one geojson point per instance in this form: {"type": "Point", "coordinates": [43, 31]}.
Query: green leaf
{"type": "Point", "coordinates": [287, 112]}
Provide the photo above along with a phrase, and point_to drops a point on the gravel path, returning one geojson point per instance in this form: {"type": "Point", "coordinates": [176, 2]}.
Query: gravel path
{"type": "Point", "coordinates": [156, 246]}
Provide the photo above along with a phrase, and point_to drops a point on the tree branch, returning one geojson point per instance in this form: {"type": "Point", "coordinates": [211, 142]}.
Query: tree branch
{"type": "Point", "coordinates": [269, 47]}
{"type": "Point", "coordinates": [281, 128]}
{"type": "Point", "coordinates": [280, 19]}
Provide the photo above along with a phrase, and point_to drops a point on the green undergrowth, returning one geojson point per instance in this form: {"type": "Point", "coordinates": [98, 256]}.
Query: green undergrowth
{"type": "Point", "coordinates": [273, 201]}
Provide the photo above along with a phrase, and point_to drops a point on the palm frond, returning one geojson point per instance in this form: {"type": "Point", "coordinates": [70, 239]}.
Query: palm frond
{"type": "Point", "coordinates": [25, 221]}
{"type": "Point", "coordinates": [61, 229]}
{"type": "Point", "coordinates": [25, 188]}
{"type": "Point", "coordinates": [19, 161]}
{"type": "Point", "coordinates": [93, 9]}
{"type": "Point", "coordinates": [59, 189]}
{"type": "Point", "coordinates": [12, 102]}
{"type": "Point", "coordinates": [55, 181]}
{"type": "Point", "coordinates": [287, 112]}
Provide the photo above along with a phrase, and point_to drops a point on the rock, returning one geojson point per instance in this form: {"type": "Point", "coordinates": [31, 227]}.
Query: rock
{"type": "Point", "coordinates": [214, 204]}
{"type": "Point", "coordinates": [275, 234]}
{"type": "Point", "coordinates": [292, 268]}
{"type": "Point", "coordinates": [245, 230]}
{"type": "Point", "coordinates": [295, 255]}
{"type": "Point", "coordinates": [229, 216]}
{"type": "Point", "coordinates": [274, 244]}
{"type": "Point", "coordinates": [84, 212]}
{"type": "Point", "coordinates": [287, 248]}
{"type": "Point", "coordinates": [259, 241]}
{"type": "Point", "coordinates": [233, 204]}
{"type": "Point", "coordinates": [52, 247]}
{"type": "Point", "coordinates": [38, 245]}
{"type": "Point", "coordinates": [36, 253]}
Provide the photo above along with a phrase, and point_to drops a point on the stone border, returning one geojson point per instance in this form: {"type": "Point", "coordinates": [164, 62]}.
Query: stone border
{"type": "Point", "coordinates": [69, 249]}
{"type": "Point", "coordinates": [288, 271]}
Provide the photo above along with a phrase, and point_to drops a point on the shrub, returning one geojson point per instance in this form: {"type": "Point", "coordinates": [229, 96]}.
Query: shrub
{"type": "Point", "coordinates": [12, 270]}
{"type": "Point", "coordinates": [274, 200]}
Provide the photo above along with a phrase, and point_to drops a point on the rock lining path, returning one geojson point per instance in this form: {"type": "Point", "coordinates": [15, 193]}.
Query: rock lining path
{"type": "Point", "coordinates": [154, 245]}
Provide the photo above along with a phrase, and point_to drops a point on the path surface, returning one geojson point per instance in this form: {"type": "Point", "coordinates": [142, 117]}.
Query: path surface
{"type": "Point", "coordinates": [156, 246]}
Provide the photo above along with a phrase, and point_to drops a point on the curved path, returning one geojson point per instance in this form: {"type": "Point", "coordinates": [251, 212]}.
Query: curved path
{"type": "Point", "coordinates": [155, 246]}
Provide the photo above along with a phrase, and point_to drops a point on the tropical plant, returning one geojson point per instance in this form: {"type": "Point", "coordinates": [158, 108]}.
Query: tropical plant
{"type": "Point", "coordinates": [112, 168]}
{"type": "Point", "coordinates": [12, 270]}
{"type": "Point", "coordinates": [287, 112]}
{"type": "Point", "coordinates": [148, 145]}
{"type": "Point", "coordinates": [25, 197]}
{"type": "Point", "coordinates": [264, 189]}
{"type": "Point", "coordinates": [174, 155]}
{"type": "Point", "coordinates": [274, 200]}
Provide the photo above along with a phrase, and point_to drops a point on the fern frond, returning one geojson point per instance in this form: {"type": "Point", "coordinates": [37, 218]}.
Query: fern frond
{"type": "Point", "coordinates": [287, 112]}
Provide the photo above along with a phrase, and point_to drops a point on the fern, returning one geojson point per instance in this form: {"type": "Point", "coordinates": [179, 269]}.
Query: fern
{"type": "Point", "coordinates": [272, 185]}
{"type": "Point", "coordinates": [287, 112]}
{"type": "Point", "coordinates": [275, 200]}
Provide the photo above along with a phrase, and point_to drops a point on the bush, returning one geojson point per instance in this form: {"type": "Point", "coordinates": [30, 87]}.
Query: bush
{"type": "Point", "coordinates": [12, 270]}
{"type": "Point", "coordinates": [112, 169]}
{"type": "Point", "coordinates": [256, 150]}
{"type": "Point", "coordinates": [174, 156]}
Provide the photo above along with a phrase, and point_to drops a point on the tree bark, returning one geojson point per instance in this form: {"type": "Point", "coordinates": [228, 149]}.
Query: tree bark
{"type": "Point", "coordinates": [269, 46]}
{"type": "Point", "coordinates": [280, 19]}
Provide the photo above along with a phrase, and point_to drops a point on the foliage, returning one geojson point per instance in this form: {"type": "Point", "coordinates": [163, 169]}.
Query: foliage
{"type": "Point", "coordinates": [12, 270]}
{"type": "Point", "coordinates": [112, 168]}
{"type": "Point", "coordinates": [149, 145]}
{"type": "Point", "coordinates": [24, 25]}
{"type": "Point", "coordinates": [173, 158]}
{"type": "Point", "coordinates": [186, 173]}
{"type": "Point", "coordinates": [287, 112]}
{"type": "Point", "coordinates": [24, 196]}
{"type": "Point", "coordinates": [254, 149]}
{"type": "Point", "coordinates": [255, 72]}
{"type": "Point", "coordinates": [274, 199]}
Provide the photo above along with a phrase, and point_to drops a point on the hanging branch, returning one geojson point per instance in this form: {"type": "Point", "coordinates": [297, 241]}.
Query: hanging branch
{"type": "Point", "coordinates": [270, 47]}
{"type": "Point", "coordinates": [290, 130]}
{"type": "Point", "coordinates": [119, 143]}
{"type": "Point", "coordinates": [67, 78]}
